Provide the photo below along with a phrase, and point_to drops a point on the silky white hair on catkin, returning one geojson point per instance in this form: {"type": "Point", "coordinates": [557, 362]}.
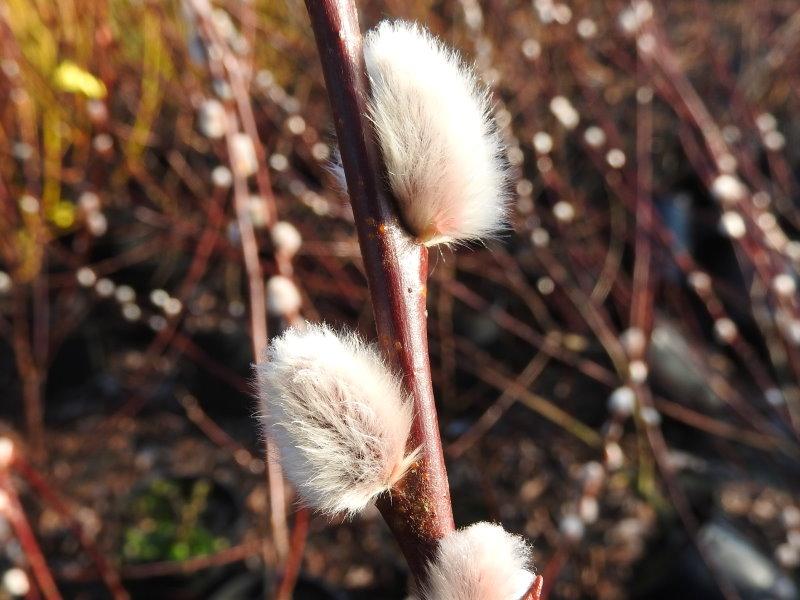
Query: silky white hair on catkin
{"type": "Point", "coordinates": [479, 562]}
{"type": "Point", "coordinates": [340, 417]}
{"type": "Point", "coordinates": [443, 153]}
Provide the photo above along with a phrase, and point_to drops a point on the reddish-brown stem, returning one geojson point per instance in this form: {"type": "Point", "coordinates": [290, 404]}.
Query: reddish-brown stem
{"type": "Point", "coordinates": [535, 593]}
{"type": "Point", "coordinates": [30, 374]}
{"type": "Point", "coordinates": [214, 432]}
{"type": "Point", "coordinates": [105, 569]}
{"type": "Point", "coordinates": [27, 540]}
{"type": "Point", "coordinates": [418, 511]}
{"type": "Point", "coordinates": [641, 301]}
{"type": "Point", "coordinates": [552, 569]}
{"type": "Point", "coordinates": [192, 565]}
{"type": "Point", "coordinates": [295, 558]}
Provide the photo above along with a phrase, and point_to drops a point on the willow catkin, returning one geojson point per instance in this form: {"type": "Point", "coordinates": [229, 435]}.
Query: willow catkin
{"type": "Point", "coordinates": [340, 417]}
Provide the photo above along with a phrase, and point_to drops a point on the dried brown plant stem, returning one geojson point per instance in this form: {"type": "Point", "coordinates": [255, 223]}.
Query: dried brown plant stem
{"type": "Point", "coordinates": [295, 558]}
{"type": "Point", "coordinates": [258, 328]}
{"type": "Point", "coordinates": [224, 65]}
{"type": "Point", "coordinates": [418, 511]}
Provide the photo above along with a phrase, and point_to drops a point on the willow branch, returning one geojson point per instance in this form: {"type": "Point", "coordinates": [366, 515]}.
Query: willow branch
{"type": "Point", "coordinates": [418, 511]}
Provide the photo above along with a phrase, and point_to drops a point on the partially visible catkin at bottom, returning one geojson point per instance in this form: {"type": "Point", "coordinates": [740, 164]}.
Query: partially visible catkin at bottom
{"type": "Point", "coordinates": [340, 417]}
{"type": "Point", "coordinates": [479, 562]}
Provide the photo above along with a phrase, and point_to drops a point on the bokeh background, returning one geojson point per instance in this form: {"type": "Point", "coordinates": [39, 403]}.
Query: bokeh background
{"type": "Point", "coordinates": [617, 375]}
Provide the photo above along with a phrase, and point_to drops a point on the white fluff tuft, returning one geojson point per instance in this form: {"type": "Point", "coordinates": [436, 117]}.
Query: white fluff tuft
{"type": "Point", "coordinates": [480, 562]}
{"type": "Point", "coordinates": [340, 418]}
{"type": "Point", "coordinates": [443, 153]}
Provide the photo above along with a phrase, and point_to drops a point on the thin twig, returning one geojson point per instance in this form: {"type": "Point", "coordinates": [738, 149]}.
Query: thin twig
{"type": "Point", "coordinates": [249, 244]}
{"type": "Point", "coordinates": [105, 569]}
{"type": "Point", "coordinates": [295, 558]}
{"type": "Point", "coordinates": [14, 512]}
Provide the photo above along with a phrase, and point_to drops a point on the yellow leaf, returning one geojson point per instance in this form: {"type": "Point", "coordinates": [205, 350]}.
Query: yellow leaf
{"type": "Point", "coordinates": [62, 214]}
{"type": "Point", "coordinates": [71, 78]}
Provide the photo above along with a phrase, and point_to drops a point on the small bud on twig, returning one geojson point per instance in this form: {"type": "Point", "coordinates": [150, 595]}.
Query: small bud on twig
{"type": "Point", "coordinates": [622, 402]}
{"type": "Point", "coordinates": [285, 238]}
{"type": "Point", "coordinates": [283, 297]}
{"type": "Point", "coordinates": [212, 119]}
{"type": "Point", "coordinates": [242, 153]}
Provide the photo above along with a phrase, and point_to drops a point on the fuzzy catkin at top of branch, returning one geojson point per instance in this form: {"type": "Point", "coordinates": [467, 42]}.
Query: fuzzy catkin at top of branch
{"type": "Point", "coordinates": [432, 119]}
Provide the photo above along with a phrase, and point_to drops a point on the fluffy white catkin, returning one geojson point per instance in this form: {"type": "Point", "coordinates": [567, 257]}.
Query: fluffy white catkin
{"type": "Point", "coordinates": [340, 418]}
{"type": "Point", "coordinates": [443, 153]}
{"type": "Point", "coordinates": [480, 562]}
